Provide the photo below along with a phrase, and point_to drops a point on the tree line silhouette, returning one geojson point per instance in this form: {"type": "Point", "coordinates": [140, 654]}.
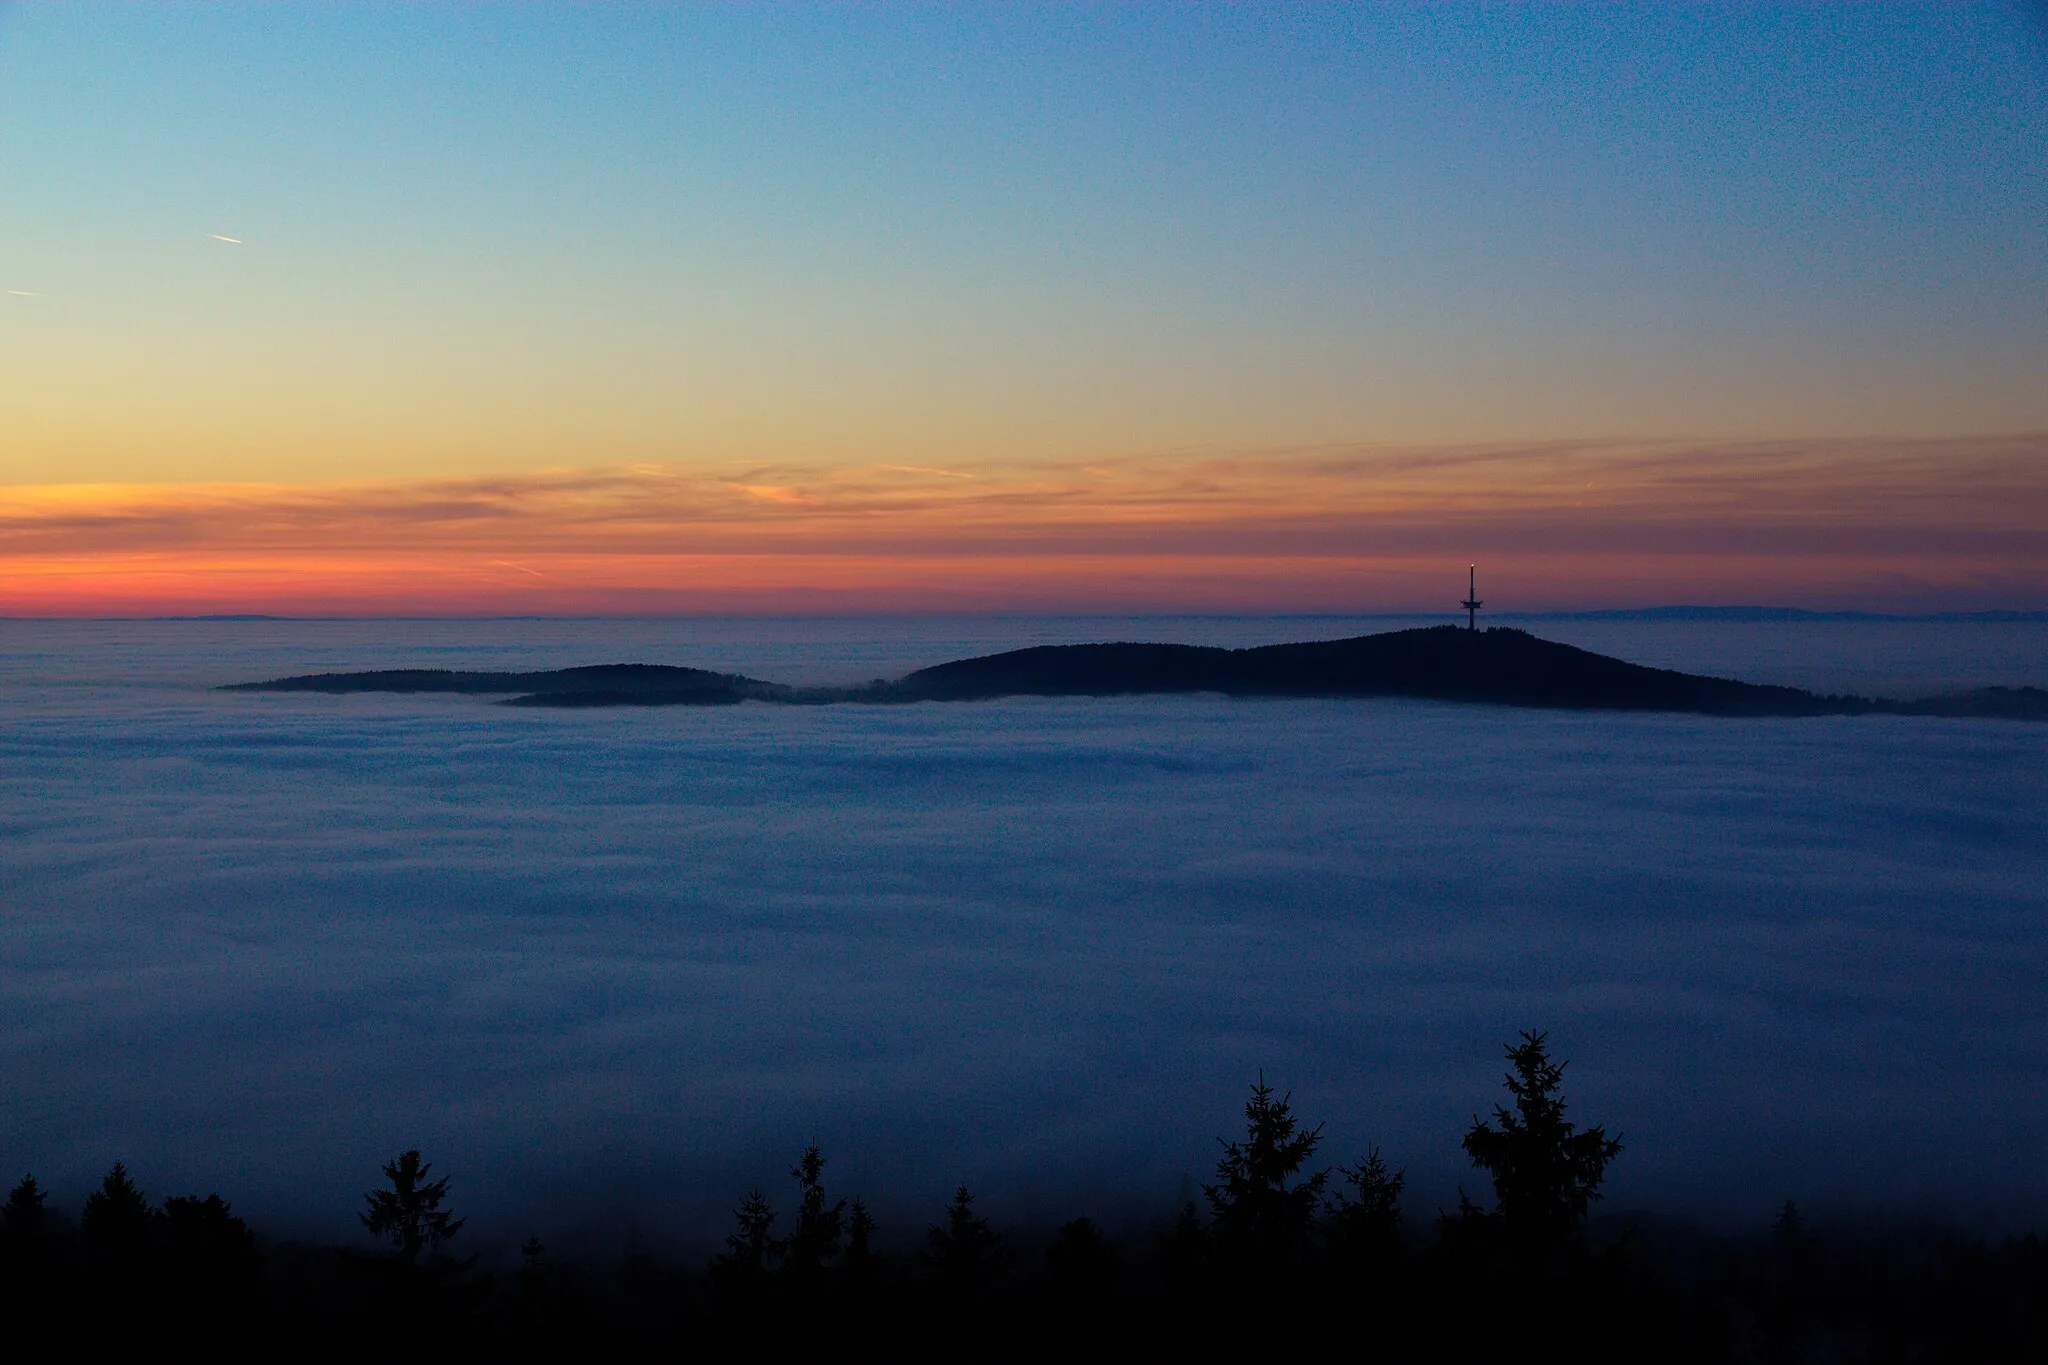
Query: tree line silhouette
{"type": "Point", "coordinates": [1279, 1255]}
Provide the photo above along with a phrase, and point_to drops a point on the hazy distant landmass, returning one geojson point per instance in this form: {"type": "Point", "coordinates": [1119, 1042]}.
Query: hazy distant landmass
{"type": "Point", "coordinates": [596, 685]}
{"type": "Point", "coordinates": [1501, 666]}
{"type": "Point", "coordinates": [2009, 703]}
{"type": "Point", "coordinates": [1680, 613]}
{"type": "Point", "coordinates": [226, 616]}
{"type": "Point", "coordinates": [1768, 614]}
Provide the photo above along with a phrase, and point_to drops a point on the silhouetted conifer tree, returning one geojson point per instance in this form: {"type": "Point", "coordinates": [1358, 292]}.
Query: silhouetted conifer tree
{"type": "Point", "coordinates": [117, 1218]}
{"type": "Point", "coordinates": [813, 1244]}
{"type": "Point", "coordinates": [206, 1231]}
{"type": "Point", "coordinates": [1544, 1170]}
{"type": "Point", "coordinates": [752, 1249]}
{"type": "Point", "coordinates": [119, 1230]}
{"type": "Point", "coordinates": [862, 1280]}
{"type": "Point", "coordinates": [211, 1275]}
{"type": "Point", "coordinates": [428, 1303]}
{"type": "Point", "coordinates": [1365, 1225]}
{"type": "Point", "coordinates": [1262, 1210]}
{"type": "Point", "coordinates": [1528, 1283]}
{"type": "Point", "coordinates": [29, 1310]}
{"type": "Point", "coordinates": [409, 1215]}
{"type": "Point", "coordinates": [24, 1230]}
{"type": "Point", "coordinates": [1790, 1263]}
{"type": "Point", "coordinates": [25, 1218]}
{"type": "Point", "coordinates": [742, 1277]}
{"type": "Point", "coordinates": [860, 1236]}
{"type": "Point", "coordinates": [962, 1251]}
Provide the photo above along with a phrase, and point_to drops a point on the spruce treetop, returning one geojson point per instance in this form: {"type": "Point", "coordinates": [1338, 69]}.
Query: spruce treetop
{"type": "Point", "coordinates": [1545, 1171]}
{"type": "Point", "coordinates": [409, 1214]}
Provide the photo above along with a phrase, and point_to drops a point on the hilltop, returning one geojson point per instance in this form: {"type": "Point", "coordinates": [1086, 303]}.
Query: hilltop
{"type": "Point", "coordinates": [1501, 666]}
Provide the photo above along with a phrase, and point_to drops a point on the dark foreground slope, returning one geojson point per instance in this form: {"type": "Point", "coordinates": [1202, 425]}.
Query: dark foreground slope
{"type": "Point", "coordinates": [1445, 663]}
{"type": "Point", "coordinates": [1440, 663]}
{"type": "Point", "coordinates": [597, 685]}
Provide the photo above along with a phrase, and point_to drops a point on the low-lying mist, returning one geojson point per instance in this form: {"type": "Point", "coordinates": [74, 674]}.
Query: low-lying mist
{"type": "Point", "coordinates": [609, 970]}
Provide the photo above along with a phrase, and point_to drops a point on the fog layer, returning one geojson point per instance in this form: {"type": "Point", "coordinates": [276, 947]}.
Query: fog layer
{"type": "Point", "coordinates": [614, 967]}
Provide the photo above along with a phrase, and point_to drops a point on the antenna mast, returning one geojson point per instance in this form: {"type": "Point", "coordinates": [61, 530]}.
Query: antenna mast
{"type": "Point", "coordinates": [1472, 604]}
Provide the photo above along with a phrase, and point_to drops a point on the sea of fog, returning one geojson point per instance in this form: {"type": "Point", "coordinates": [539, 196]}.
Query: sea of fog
{"type": "Point", "coordinates": [609, 968]}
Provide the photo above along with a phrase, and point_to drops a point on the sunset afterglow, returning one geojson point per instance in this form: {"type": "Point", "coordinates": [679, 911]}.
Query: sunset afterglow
{"type": "Point", "coordinates": [1830, 523]}
{"type": "Point", "coordinates": [453, 309]}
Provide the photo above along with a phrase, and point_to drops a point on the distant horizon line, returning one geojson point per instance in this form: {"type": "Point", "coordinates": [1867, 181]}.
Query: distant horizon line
{"type": "Point", "coordinates": [1679, 612]}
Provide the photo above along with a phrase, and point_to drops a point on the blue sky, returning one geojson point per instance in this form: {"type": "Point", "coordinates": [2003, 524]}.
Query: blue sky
{"type": "Point", "coordinates": [478, 240]}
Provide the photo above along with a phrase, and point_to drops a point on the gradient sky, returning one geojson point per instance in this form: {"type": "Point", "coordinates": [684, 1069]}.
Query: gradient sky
{"type": "Point", "coordinates": [767, 308]}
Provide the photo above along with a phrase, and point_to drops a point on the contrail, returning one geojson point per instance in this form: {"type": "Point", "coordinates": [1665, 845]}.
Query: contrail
{"type": "Point", "coordinates": [24, 293]}
{"type": "Point", "coordinates": [231, 241]}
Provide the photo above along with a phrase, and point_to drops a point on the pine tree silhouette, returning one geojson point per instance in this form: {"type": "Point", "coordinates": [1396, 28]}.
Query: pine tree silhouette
{"type": "Point", "coordinates": [426, 1304]}
{"type": "Point", "coordinates": [117, 1218]}
{"type": "Point", "coordinates": [752, 1249]}
{"type": "Point", "coordinates": [860, 1233]}
{"type": "Point", "coordinates": [119, 1230]}
{"type": "Point", "coordinates": [26, 1213]}
{"type": "Point", "coordinates": [205, 1230]}
{"type": "Point", "coordinates": [211, 1276]}
{"type": "Point", "coordinates": [962, 1251]}
{"type": "Point", "coordinates": [860, 1268]}
{"type": "Point", "coordinates": [29, 1315]}
{"type": "Point", "coordinates": [409, 1215]}
{"type": "Point", "coordinates": [814, 1242]}
{"type": "Point", "coordinates": [1262, 1208]}
{"type": "Point", "coordinates": [1365, 1226]}
{"type": "Point", "coordinates": [1544, 1170]}
{"type": "Point", "coordinates": [862, 1295]}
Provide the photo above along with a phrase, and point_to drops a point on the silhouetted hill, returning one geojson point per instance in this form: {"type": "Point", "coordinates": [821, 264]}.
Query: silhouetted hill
{"type": "Point", "coordinates": [595, 685]}
{"type": "Point", "coordinates": [1770, 614]}
{"type": "Point", "coordinates": [1503, 666]}
{"type": "Point", "coordinates": [1446, 663]}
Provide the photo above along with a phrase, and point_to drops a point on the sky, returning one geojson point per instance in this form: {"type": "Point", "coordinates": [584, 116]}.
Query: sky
{"type": "Point", "coordinates": [419, 309]}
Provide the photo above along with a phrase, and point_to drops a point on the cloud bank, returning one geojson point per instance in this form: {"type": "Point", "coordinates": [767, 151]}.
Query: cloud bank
{"type": "Point", "coordinates": [1889, 524]}
{"type": "Point", "coordinates": [617, 967]}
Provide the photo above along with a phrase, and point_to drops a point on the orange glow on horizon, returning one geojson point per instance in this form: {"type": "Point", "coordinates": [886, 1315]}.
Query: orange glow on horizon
{"type": "Point", "coordinates": [1907, 525]}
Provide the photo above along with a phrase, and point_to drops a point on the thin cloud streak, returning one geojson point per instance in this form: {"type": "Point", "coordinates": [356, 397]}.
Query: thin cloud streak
{"type": "Point", "coordinates": [925, 469]}
{"type": "Point", "coordinates": [1900, 523]}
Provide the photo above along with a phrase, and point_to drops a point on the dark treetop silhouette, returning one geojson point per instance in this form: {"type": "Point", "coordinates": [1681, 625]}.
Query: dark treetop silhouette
{"type": "Point", "coordinates": [1284, 1266]}
{"type": "Point", "coordinates": [409, 1214]}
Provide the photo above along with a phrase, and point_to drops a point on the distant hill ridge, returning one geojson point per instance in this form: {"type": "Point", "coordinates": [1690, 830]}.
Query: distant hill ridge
{"type": "Point", "coordinates": [1500, 665]}
{"type": "Point", "coordinates": [592, 685]}
{"type": "Point", "coordinates": [1677, 612]}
